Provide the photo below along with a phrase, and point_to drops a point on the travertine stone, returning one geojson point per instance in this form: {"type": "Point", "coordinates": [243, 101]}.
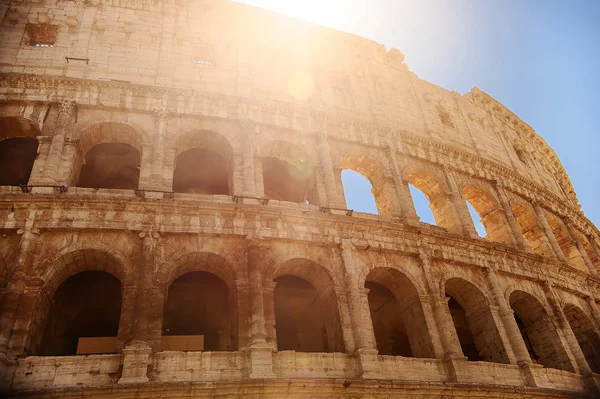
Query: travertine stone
{"type": "Point", "coordinates": [294, 296]}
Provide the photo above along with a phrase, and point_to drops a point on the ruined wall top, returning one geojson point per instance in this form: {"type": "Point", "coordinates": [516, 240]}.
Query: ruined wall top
{"type": "Point", "coordinates": [298, 71]}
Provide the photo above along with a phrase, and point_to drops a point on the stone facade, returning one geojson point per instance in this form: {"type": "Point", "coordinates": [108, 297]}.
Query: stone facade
{"type": "Point", "coordinates": [173, 168]}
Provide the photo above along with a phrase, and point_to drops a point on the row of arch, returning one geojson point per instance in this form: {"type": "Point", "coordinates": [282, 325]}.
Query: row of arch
{"type": "Point", "coordinates": [303, 312]}
{"type": "Point", "coordinates": [205, 162]}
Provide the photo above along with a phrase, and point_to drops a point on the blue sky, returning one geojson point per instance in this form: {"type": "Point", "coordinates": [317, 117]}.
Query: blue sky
{"type": "Point", "coordinates": [541, 59]}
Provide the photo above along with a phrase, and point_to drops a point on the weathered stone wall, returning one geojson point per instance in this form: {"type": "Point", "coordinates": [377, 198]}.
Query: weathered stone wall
{"type": "Point", "coordinates": [165, 78]}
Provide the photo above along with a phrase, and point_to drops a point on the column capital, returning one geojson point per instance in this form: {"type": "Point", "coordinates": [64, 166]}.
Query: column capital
{"type": "Point", "coordinates": [254, 242]}
{"type": "Point", "coordinates": [67, 107]}
{"type": "Point", "coordinates": [161, 114]}
{"type": "Point", "coordinates": [347, 245]}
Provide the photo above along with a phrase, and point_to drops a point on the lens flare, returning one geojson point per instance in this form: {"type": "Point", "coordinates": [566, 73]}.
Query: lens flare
{"type": "Point", "coordinates": [300, 85]}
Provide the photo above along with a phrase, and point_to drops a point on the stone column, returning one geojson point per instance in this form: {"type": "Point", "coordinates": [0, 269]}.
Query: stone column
{"type": "Point", "coordinates": [260, 354]}
{"type": "Point", "coordinates": [508, 320]}
{"type": "Point", "coordinates": [430, 321]}
{"type": "Point", "coordinates": [543, 221]}
{"type": "Point", "coordinates": [269, 306]}
{"type": "Point", "coordinates": [575, 237]}
{"type": "Point", "coordinates": [17, 286]}
{"type": "Point", "coordinates": [328, 175]}
{"type": "Point", "coordinates": [69, 167]}
{"type": "Point", "coordinates": [512, 221]}
{"type": "Point", "coordinates": [441, 314]}
{"type": "Point", "coordinates": [128, 300]}
{"type": "Point", "coordinates": [455, 362]}
{"type": "Point", "coordinates": [66, 115]}
{"type": "Point", "coordinates": [258, 178]}
{"type": "Point", "coordinates": [39, 165]}
{"type": "Point", "coordinates": [138, 350]}
{"type": "Point", "coordinates": [157, 180]}
{"type": "Point", "coordinates": [360, 316]}
{"type": "Point", "coordinates": [580, 363]}
{"type": "Point", "coordinates": [248, 182]}
{"type": "Point", "coordinates": [337, 175]}
{"type": "Point", "coordinates": [595, 310]}
{"type": "Point", "coordinates": [406, 204]}
{"type": "Point", "coordinates": [462, 212]}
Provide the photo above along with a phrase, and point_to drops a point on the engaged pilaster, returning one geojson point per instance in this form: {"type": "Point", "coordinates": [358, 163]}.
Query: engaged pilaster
{"type": "Point", "coordinates": [360, 317]}
{"type": "Point", "coordinates": [260, 354]}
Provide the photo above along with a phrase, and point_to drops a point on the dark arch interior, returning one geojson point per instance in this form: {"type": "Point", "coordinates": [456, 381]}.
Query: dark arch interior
{"type": "Point", "coordinates": [388, 325]}
{"type": "Point", "coordinates": [586, 336]}
{"type": "Point", "coordinates": [306, 321]}
{"type": "Point", "coordinates": [111, 165]}
{"type": "Point", "coordinates": [16, 160]}
{"type": "Point", "coordinates": [202, 171]}
{"type": "Point", "coordinates": [397, 314]}
{"type": "Point", "coordinates": [87, 304]}
{"type": "Point", "coordinates": [286, 182]}
{"type": "Point", "coordinates": [199, 303]}
{"type": "Point", "coordinates": [539, 332]}
{"type": "Point", "coordinates": [463, 330]}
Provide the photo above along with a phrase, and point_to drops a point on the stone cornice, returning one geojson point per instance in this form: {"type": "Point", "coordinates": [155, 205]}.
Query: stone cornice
{"type": "Point", "coordinates": [460, 160]}
{"type": "Point", "coordinates": [407, 239]}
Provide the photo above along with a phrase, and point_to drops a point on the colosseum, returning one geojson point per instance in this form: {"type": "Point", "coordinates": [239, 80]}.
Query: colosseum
{"type": "Point", "coordinates": [173, 220]}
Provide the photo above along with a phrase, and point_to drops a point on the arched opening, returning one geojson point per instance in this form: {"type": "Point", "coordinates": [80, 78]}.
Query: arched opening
{"type": "Point", "coordinates": [111, 165]}
{"type": "Point", "coordinates": [422, 205]}
{"type": "Point", "coordinates": [530, 229]}
{"type": "Point", "coordinates": [474, 323]}
{"type": "Point", "coordinates": [539, 332]}
{"type": "Point", "coordinates": [199, 314]}
{"type": "Point", "coordinates": [112, 156]}
{"type": "Point", "coordinates": [84, 315]}
{"type": "Point", "coordinates": [288, 173]}
{"type": "Point", "coordinates": [491, 214]}
{"type": "Point", "coordinates": [358, 192]}
{"type": "Point", "coordinates": [568, 247]}
{"type": "Point", "coordinates": [382, 189]}
{"type": "Point", "coordinates": [204, 165]}
{"type": "Point", "coordinates": [586, 335]}
{"type": "Point", "coordinates": [306, 310]}
{"type": "Point", "coordinates": [432, 203]}
{"type": "Point", "coordinates": [284, 181]}
{"type": "Point", "coordinates": [17, 156]}
{"type": "Point", "coordinates": [18, 150]}
{"type": "Point", "coordinates": [397, 314]}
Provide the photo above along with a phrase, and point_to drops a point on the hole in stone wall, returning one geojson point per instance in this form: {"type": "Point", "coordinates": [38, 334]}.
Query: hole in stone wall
{"type": "Point", "coordinates": [199, 304]}
{"type": "Point", "coordinates": [445, 116]}
{"type": "Point", "coordinates": [87, 304]}
{"type": "Point", "coordinates": [358, 192]}
{"type": "Point", "coordinates": [202, 171]}
{"type": "Point", "coordinates": [306, 320]}
{"type": "Point", "coordinates": [422, 205]}
{"type": "Point", "coordinates": [539, 331]}
{"type": "Point", "coordinates": [284, 181]}
{"type": "Point", "coordinates": [111, 165]}
{"type": "Point", "coordinates": [520, 155]}
{"type": "Point", "coordinates": [42, 35]}
{"type": "Point", "coordinates": [17, 156]}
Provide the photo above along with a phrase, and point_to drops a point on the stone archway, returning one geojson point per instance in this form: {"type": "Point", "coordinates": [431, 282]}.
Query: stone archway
{"type": "Point", "coordinates": [397, 314]}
